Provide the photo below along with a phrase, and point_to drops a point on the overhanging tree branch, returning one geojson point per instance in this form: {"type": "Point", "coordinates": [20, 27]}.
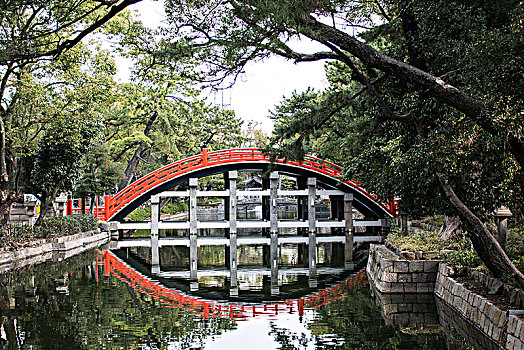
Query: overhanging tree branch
{"type": "Point", "coordinates": [69, 43]}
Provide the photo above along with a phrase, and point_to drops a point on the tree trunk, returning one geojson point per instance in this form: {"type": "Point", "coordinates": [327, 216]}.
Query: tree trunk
{"type": "Point", "coordinates": [83, 205]}
{"type": "Point", "coordinates": [46, 203]}
{"type": "Point", "coordinates": [6, 197]}
{"type": "Point", "coordinates": [131, 168]}
{"type": "Point", "coordinates": [450, 228]}
{"type": "Point", "coordinates": [92, 206]}
{"type": "Point", "coordinates": [133, 162]}
{"type": "Point", "coordinates": [5, 203]}
{"type": "Point", "coordinates": [484, 241]}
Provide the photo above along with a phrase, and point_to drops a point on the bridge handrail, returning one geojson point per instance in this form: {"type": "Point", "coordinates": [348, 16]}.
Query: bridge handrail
{"type": "Point", "coordinates": [213, 158]}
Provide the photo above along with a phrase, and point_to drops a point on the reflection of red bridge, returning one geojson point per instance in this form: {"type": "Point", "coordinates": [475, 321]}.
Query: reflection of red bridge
{"type": "Point", "coordinates": [208, 308]}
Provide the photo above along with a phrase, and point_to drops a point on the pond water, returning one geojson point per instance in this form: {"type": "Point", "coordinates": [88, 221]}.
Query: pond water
{"type": "Point", "coordinates": [109, 300]}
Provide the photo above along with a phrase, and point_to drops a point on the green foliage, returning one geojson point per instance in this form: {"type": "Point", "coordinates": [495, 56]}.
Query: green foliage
{"type": "Point", "coordinates": [426, 241]}
{"type": "Point", "coordinates": [143, 213]}
{"type": "Point", "coordinates": [59, 154]}
{"type": "Point", "coordinates": [435, 220]}
{"type": "Point", "coordinates": [465, 254]}
{"type": "Point", "coordinates": [465, 257]}
{"type": "Point", "coordinates": [100, 174]}
{"type": "Point", "coordinates": [140, 214]}
{"type": "Point", "coordinates": [12, 234]}
{"type": "Point", "coordinates": [175, 207]}
{"type": "Point", "coordinates": [66, 225]}
{"type": "Point", "coordinates": [160, 116]}
{"type": "Point", "coordinates": [398, 155]}
{"type": "Point", "coordinates": [515, 246]}
{"type": "Point", "coordinates": [51, 227]}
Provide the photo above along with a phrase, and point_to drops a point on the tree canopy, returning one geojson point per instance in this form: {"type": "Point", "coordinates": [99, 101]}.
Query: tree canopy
{"type": "Point", "coordinates": [57, 69]}
{"type": "Point", "coordinates": [425, 98]}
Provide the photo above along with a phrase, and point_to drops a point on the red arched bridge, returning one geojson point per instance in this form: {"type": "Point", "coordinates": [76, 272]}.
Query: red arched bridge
{"type": "Point", "coordinates": [328, 176]}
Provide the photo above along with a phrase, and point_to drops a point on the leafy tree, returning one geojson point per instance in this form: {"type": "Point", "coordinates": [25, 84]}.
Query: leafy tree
{"type": "Point", "coordinates": [434, 86]}
{"type": "Point", "coordinates": [99, 175]}
{"type": "Point", "coordinates": [55, 164]}
{"type": "Point", "coordinates": [161, 115]}
{"type": "Point", "coordinates": [34, 36]}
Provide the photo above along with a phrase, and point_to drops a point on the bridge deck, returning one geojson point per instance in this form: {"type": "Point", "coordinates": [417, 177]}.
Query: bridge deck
{"type": "Point", "coordinates": [247, 240]}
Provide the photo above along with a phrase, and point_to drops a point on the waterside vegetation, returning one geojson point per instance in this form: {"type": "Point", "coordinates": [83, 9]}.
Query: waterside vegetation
{"type": "Point", "coordinates": [14, 237]}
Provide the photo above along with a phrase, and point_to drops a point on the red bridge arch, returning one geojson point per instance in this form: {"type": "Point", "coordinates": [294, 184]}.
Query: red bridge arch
{"type": "Point", "coordinates": [208, 163]}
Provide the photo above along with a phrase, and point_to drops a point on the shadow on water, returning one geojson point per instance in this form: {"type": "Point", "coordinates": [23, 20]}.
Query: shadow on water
{"type": "Point", "coordinates": [110, 300]}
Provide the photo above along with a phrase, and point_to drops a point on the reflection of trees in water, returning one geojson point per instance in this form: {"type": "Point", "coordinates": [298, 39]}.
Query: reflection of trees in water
{"type": "Point", "coordinates": [354, 322]}
{"type": "Point", "coordinates": [289, 340]}
{"type": "Point", "coordinates": [93, 313]}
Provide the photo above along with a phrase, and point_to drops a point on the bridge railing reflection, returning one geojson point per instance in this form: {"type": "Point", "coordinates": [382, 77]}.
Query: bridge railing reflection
{"type": "Point", "coordinates": [113, 266]}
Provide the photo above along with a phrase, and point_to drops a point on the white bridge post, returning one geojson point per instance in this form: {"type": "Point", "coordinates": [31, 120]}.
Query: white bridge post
{"type": "Point", "coordinates": [348, 231]}
{"type": "Point", "coordinates": [273, 218]}
{"type": "Point", "coordinates": [193, 232]}
{"type": "Point", "coordinates": [311, 186]}
{"type": "Point", "coordinates": [233, 232]}
{"type": "Point", "coordinates": [155, 215]}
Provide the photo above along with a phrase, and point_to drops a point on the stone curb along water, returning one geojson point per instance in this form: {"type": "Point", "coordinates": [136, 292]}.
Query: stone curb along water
{"type": "Point", "coordinates": [392, 274]}
{"type": "Point", "coordinates": [54, 245]}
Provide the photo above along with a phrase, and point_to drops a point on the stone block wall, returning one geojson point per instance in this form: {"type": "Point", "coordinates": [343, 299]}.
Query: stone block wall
{"type": "Point", "coordinates": [415, 311]}
{"type": "Point", "coordinates": [451, 322]}
{"type": "Point", "coordinates": [45, 247]}
{"type": "Point", "coordinates": [500, 325]}
{"type": "Point", "coordinates": [392, 274]}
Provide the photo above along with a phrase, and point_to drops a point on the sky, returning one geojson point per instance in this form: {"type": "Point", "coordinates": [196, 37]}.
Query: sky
{"type": "Point", "coordinates": [264, 84]}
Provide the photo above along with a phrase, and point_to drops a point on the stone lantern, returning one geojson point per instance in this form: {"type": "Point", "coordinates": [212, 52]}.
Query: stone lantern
{"type": "Point", "coordinates": [502, 213]}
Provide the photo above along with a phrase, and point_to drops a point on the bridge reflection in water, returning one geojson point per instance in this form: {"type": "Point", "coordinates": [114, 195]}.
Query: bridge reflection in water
{"type": "Point", "coordinates": [115, 266]}
{"type": "Point", "coordinates": [110, 299]}
{"type": "Point", "coordinates": [415, 314]}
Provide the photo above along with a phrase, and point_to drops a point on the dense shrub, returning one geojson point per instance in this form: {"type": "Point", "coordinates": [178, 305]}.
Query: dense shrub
{"type": "Point", "coordinates": [51, 227]}
{"type": "Point", "coordinates": [515, 246]}
{"type": "Point", "coordinates": [425, 240]}
{"type": "Point", "coordinates": [15, 233]}
{"type": "Point", "coordinates": [143, 213]}
{"type": "Point", "coordinates": [66, 225]}
{"type": "Point", "coordinates": [140, 214]}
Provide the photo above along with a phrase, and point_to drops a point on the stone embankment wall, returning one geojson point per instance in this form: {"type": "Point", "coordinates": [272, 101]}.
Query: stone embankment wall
{"type": "Point", "coordinates": [502, 326]}
{"type": "Point", "coordinates": [392, 274]}
{"type": "Point", "coordinates": [450, 321]}
{"type": "Point", "coordinates": [411, 311]}
{"type": "Point", "coordinates": [45, 248]}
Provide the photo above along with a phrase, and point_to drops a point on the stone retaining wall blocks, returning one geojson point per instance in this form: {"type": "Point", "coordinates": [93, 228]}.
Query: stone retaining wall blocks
{"type": "Point", "coordinates": [390, 273]}
{"type": "Point", "coordinates": [60, 244]}
{"type": "Point", "coordinates": [481, 312]}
